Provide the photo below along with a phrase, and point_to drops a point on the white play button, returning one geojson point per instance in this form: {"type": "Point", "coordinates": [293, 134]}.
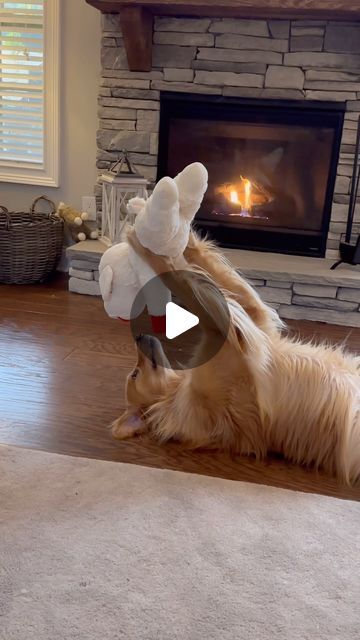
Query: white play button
{"type": "Point", "coordinates": [178, 320]}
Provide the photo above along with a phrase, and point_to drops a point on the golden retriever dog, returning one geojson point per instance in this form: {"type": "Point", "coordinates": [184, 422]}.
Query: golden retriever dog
{"type": "Point", "coordinates": [262, 392]}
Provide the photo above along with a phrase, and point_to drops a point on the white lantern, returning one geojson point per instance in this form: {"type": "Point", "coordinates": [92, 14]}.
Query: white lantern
{"type": "Point", "coordinates": [121, 183]}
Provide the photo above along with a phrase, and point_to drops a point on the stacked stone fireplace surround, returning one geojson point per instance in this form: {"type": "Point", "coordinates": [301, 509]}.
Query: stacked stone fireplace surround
{"type": "Point", "coordinates": [280, 59]}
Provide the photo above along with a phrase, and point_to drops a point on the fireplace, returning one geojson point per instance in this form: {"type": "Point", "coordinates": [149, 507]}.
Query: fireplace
{"type": "Point", "coordinates": [272, 167]}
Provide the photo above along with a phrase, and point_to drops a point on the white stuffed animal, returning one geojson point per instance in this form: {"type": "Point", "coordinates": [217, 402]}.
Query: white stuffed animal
{"type": "Point", "coordinates": [162, 225]}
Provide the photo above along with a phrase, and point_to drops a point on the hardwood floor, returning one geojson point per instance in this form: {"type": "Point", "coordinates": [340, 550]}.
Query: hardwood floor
{"type": "Point", "coordinates": [63, 364]}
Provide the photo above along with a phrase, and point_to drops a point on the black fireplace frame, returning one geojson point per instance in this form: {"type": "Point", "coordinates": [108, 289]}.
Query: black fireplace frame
{"type": "Point", "coordinates": [308, 112]}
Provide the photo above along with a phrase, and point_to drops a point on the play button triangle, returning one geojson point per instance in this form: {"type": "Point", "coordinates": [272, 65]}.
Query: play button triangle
{"type": "Point", "coordinates": [178, 320]}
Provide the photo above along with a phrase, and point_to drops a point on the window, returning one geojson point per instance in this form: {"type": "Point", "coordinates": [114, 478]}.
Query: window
{"type": "Point", "coordinates": [29, 92]}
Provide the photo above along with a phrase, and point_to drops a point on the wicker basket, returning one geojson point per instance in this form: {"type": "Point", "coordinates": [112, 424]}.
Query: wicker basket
{"type": "Point", "coordinates": [30, 244]}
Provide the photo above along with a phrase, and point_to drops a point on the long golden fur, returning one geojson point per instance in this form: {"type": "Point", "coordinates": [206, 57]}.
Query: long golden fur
{"type": "Point", "coordinates": [262, 392]}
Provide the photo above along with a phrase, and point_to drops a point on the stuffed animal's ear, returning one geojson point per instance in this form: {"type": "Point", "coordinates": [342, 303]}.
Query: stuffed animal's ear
{"type": "Point", "coordinates": [105, 282]}
{"type": "Point", "coordinates": [165, 194]}
{"type": "Point", "coordinates": [160, 219]}
{"type": "Point", "coordinates": [192, 183]}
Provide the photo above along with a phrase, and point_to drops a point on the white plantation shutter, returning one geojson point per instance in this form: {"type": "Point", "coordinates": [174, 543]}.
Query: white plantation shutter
{"type": "Point", "coordinates": [29, 36]}
{"type": "Point", "coordinates": [22, 82]}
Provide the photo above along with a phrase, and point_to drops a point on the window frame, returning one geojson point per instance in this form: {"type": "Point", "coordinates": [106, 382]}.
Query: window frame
{"type": "Point", "coordinates": [47, 174]}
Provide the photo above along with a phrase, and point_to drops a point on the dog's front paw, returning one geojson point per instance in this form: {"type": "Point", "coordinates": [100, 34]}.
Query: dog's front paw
{"type": "Point", "coordinates": [120, 431]}
{"type": "Point", "coordinates": [127, 426]}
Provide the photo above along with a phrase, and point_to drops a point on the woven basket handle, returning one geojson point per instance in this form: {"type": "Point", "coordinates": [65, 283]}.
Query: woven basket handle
{"type": "Point", "coordinates": [6, 212]}
{"type": "Point", "coordinates": [33, 206]}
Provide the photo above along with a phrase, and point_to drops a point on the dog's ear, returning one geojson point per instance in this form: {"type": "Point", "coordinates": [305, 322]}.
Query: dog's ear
{"type": "Point", "coordinates": [128, 425]}
{"type": "Point", "coordinates": [105, 282]}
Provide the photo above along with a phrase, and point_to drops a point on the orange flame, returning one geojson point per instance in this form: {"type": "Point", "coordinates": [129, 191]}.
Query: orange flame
{"type": "Point", "coordinates": [245, 196]}
{"type": "Point", "coordinates": [240, 194]}
{"type": "Point", "coordinates": [247, 190]}
{"type": "Point", "coordinates": [234, 198]}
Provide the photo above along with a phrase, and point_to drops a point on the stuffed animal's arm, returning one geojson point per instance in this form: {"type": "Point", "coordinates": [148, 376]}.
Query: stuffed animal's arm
{"type": "Point", "coordinates": [136, 205]}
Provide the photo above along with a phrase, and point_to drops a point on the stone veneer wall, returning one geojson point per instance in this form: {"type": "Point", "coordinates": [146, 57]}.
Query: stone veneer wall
{"type": "Point", "coordinates": [301, 60]}
{"type": "Point", "coordinates": [316, 301]}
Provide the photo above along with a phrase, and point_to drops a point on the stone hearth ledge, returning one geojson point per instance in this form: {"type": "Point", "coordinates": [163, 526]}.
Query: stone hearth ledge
{"type": "Point", "coordinates": [302, 288]}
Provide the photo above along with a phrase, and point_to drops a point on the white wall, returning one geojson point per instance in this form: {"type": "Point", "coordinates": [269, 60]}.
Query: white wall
{"type": "Point", "coordinates": [80, 61]}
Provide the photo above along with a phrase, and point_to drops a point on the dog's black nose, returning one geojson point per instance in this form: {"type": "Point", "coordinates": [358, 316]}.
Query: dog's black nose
{"type": "Point", "coordinates": [139, 338]}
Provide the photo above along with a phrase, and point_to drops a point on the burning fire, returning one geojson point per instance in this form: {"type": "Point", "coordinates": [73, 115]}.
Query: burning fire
{"type": "Point", "coordinates": [245, 195]}
{"type": "Point", "coordinates": [240, 194]}
{"type": "Point", "coordinates": [247, 191]}
{"type": "Point", "coordinates": [234, 198]}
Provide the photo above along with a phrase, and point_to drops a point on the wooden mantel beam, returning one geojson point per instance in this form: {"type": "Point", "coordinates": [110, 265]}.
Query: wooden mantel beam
{"type": "Point", "coordinates": [136, 16]}
{"type": "Point", "coordinates": [137, 30]}
{"type": "Point", "coordinates": [301, 9]}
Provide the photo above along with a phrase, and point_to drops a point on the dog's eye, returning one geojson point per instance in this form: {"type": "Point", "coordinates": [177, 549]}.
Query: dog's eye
{"type": "Point", "coordinates": [134, 374]}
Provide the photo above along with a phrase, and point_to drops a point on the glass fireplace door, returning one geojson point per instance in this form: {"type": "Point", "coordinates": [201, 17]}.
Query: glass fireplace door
{"type": "Point", "coordinates": [271, 169]}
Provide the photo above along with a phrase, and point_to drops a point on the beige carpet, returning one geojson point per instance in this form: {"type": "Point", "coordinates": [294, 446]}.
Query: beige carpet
{"type": "Point", "coordinates": [94, 550]}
